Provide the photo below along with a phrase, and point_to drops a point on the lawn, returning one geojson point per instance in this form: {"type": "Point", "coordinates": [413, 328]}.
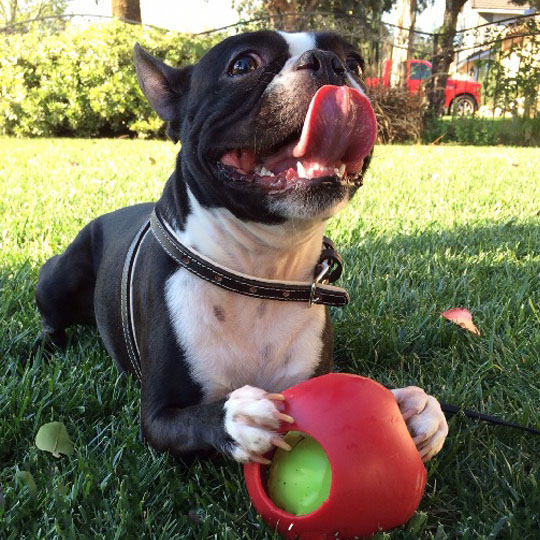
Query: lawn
{"type": "Point", "coordinates": [432, 228]}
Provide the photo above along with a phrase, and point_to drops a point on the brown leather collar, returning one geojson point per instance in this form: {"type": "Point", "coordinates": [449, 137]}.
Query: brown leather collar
{"type": "Point", "coordinates": [316, 292]}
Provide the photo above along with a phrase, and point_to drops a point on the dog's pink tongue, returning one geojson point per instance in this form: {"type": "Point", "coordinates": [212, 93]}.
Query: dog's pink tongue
{"type": "Point", "coordinates": [340, 126]}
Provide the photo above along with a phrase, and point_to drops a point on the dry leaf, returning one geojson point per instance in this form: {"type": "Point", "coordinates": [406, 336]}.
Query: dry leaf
{"type": "Point", "coordinates": [462, 317]}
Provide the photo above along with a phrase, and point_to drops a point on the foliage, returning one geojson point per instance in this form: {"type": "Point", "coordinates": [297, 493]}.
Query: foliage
{"type": "Point", "coordinates": [432, 228]}
{"type": "Point", "coordinates": [14, 11]}
{"type": "Point", "coordinates": [484, 131]}
{"type": "Point", "coordinates": [82, 82]}
{"type": "Point", "coordinates": [512, 83]}
{"type": "Point", "coordinates": [529, 3]}
{"type": "Point", "coordinates": [289, 12]}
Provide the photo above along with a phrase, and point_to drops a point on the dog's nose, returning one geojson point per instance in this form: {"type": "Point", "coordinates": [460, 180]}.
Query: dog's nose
{"type": "Point", "coordinates": [317, 60]}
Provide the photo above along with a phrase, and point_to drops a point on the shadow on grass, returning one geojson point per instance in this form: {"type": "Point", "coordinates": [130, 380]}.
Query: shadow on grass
{"type": "Point", "coordinates": [400, 285]}
{"type": "Point", "coordinates": [392, 331]}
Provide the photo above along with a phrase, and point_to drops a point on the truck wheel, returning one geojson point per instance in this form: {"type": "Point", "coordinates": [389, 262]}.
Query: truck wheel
{"type": "Point", "coordinates": [463, 106]}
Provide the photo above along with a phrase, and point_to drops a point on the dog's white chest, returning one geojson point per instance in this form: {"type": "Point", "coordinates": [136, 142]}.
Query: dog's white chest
{"type": "Point", "coordinates": [230, 340]}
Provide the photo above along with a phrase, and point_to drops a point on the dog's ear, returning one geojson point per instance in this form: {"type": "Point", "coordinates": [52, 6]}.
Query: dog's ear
{"type": "Point", "coordinates": [164, 86]}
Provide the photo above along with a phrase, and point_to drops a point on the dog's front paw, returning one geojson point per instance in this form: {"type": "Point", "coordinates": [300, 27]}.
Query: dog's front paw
{"type": "Point", "coordinates": [424, 418]}
{"type": "Point", "coordinates": [251, 420]}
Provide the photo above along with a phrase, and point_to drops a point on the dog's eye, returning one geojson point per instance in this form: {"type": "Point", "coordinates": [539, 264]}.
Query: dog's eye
{"type": "Point", "coordinates": [244, 64]}
{"type": "Point", "coordinates": [355, 64]}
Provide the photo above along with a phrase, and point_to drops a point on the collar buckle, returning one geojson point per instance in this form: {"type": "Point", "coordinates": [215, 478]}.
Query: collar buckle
{"type": "Point", "coordinates": [313, 297]}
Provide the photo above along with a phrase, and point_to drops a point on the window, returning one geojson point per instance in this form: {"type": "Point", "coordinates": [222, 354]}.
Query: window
{"type": "Point", "coordinates": [419, 71]}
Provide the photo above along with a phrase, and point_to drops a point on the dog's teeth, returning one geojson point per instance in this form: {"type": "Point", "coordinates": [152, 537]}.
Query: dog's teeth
{"type": "Point", "coordinates": [263, 171]}
{"type": "Point", "coordinates": [342, 169]}
{"type": "Point", "coordinates": [300, 169]}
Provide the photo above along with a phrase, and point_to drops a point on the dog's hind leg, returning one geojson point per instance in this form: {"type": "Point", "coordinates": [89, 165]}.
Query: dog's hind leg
{"type": "Point", "coordinates": [65, 291]}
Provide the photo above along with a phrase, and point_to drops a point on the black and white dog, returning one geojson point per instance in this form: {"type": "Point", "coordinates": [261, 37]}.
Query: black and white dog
{"type": "Point", "coordinates": [276, 135]}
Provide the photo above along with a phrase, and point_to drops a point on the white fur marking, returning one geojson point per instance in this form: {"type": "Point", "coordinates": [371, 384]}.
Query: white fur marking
{"type": "Point", "coordinates": [299, 42]}
{"type": "Point", "coordinates": [423, 415]}
{"type": "Point", "coordinates": [250, 404]}
{"type": "Point", "coordinates": [263, 343]}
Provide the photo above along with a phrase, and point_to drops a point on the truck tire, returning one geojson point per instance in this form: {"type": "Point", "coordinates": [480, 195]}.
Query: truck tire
{"type": "Point", "coordinates": [463, 105]}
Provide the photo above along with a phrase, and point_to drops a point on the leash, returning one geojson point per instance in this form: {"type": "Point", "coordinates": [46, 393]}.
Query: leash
{"type": "Point", "coordinates": [319, 291]}
{"type": "Point", "coordinates": [494, 420]}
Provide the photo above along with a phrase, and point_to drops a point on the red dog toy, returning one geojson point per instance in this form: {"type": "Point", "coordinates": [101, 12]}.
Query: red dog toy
{"type": "Point", "coordinates": [378, 477]}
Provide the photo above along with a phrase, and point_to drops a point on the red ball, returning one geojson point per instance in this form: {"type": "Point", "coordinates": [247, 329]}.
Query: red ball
{"type": "Point", "coordinates": [378, 477]}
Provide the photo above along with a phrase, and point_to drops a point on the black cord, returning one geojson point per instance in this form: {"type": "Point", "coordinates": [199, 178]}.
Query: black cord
{"type": "Point", "coordinates": [454, 409]}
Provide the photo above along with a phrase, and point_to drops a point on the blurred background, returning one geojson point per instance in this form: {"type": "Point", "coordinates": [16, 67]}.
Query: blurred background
{"type": "Point", "coordinates": [437, 70]}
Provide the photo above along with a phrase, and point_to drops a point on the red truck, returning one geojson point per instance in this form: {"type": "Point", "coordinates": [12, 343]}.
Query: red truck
{"type": "Point", "coordinates": [461, 97]}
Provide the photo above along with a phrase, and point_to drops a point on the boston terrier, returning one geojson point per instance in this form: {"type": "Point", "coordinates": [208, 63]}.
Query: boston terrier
{"type": "Point", "coordinates": [208, 296]}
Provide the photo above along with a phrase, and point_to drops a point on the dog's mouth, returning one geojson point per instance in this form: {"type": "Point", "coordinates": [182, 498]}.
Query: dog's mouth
{"type": "Point", "coordinates": [338, 133]}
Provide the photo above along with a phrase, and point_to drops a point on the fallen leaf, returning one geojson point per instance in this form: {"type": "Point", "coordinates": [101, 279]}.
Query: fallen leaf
{"type": "Point", "coordinates": [53, 438]}
{"type": "Point", "coordinates": [462, 317]}
{"type": "Point", "coordinates": [27, 479]}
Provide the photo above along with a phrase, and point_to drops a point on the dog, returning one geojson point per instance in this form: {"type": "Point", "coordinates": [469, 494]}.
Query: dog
{"type": "Point", "coordinates": [276, 135]}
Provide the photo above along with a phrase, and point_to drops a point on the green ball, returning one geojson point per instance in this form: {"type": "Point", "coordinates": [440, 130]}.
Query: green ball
{"type": "Point", "coordinates": [299, 480]}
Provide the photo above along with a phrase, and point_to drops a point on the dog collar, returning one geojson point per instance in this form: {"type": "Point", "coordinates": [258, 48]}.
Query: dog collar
{"type": "Point", "coordinates": [327, 270]}
{"type": "Point", "coordinates": [318, 291]}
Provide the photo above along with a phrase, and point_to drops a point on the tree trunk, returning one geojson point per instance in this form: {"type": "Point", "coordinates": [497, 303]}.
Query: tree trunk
{"type": "Point", "coordinates": [293, 21]}
{"type": "Point", "coordinates": [13, 9]}
{"type": "Point", "coordinates": [413, 11]}
{"type": "Point", "coordinates": [398, 75]}
{"type": "Point", "coordinates": [443, 57]}
{"type": "Point", "coordinates": [127, 10]}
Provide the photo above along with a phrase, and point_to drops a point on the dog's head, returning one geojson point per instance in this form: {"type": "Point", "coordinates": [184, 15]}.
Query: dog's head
{"type": "Point", "coordinates": [273, 126]}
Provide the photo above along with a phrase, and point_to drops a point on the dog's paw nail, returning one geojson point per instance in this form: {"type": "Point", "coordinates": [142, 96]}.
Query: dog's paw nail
{"type": "Point", "coordinates": [426, 453]}
{"type": "Point", "coordinates": [275, 397]}
{"type": "Point", "coordinates": [408, 413]}
{"type": "Point", "coordinates": [276, 441]}
{"type": "Point", "coordinates": [284, 417]}
{"type": "Point", "coordinates": [421, 437]}
{"type": "Point", "coordinates": [259, 459]}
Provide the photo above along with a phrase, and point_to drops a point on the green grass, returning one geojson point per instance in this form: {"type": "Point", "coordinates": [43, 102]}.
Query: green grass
{"type": "Point", "coordinates": [433, 228]}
